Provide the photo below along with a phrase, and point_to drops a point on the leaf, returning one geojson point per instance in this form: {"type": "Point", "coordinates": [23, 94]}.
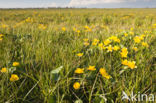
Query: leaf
{"type": "Point", "coordinates": [57, 70]}
{"type": "Point", "coordinates": [54, 74]}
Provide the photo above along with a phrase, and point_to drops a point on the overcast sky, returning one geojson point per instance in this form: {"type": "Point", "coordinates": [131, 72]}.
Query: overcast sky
{"type": "Point", "coordinates": [78, 3]}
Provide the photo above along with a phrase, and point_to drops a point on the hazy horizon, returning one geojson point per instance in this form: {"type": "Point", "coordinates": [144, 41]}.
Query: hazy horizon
{"type": "Point", "coordinates": [78, 4]}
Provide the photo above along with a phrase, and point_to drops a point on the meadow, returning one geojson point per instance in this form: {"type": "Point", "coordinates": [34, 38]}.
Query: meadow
{"type": "Point", "coordinates": [76, 55]}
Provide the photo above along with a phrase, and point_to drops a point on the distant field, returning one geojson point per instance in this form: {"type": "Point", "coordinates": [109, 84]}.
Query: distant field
{"type": "Point", "coordinates": [77, 55]}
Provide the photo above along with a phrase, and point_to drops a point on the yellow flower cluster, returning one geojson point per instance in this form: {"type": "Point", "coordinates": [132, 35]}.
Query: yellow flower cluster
{"type": "Point", "coordinates": [88, 29]}
{"type": "Point", "coordinates": [42, 27]}
{"type": "Point", "coordinates": [92, 68]}
{"type": "Point", "coordinates": [116, 48]}
{"type": "Point", "coordinates": [4, 26]}
{"type": "Point", "coordinates": [130, 64]}
{"type": "Point", "coordinates": [86, 43]}
{"type": "Point", "coordinates": [138, 39]}
{"type": "Point", "coordinates": [104, 73]}
{"type": "Point", "coordinates": [27, 20]}
{"type": "Point", "coordinates": [81, 70]}
{"type": "Point", "coordinates": [107, 42]}
{"type": "Point", "coordinates": [124, 53]}
{"type": "Point", "coordinates": [135, 49]}
{"type": "Point", "coordinates": [125, 34]}
{"type": "Point", "coordinates": [95, 42]}
{"type": "Point", "coordinates": [145, 44]}
{"type": "Point", "coordinates": [30, 20]}
{"type": "Point", "coordinates": [101, 46]}
{"type": "Point", "coordinates": [14, 77]}
{"type": "Point", "coordinates": [77, 31]}
{"type": "Point", "coordinates": [110, 48]}
{"type": "Point", "coordinates": [18, 24]}
{"type": "Point", "coordinates": [115, 39]}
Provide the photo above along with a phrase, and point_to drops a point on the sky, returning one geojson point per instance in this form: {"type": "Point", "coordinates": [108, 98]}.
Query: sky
{"type": "Point", "coordinates": [78, 3]}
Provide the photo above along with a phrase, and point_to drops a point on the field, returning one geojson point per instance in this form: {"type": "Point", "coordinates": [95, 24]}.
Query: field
{"type": "Point", "coordinates": [77, 55]}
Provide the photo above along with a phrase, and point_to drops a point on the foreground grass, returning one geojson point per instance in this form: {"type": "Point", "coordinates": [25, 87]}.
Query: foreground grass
{"type": "Point", "coordinates": [50, 45]}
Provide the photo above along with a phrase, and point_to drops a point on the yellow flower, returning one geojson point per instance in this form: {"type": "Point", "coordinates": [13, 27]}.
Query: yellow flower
{"type": "Point", "coordinates": [125, 62]}
{"type": "Point", "coordinates": [41, 26]}
{"type": "Point", "coordinates": [76, 85]}
{"type": "Point", "coordinates": [15, 64]}
{"type": "Point", "coordinates": [63, 28]}
{"type": "Point", "coordinates": [137, 39]}
{"type": "Point", "coordinates": [110, 49]}
{"type": "Point", "coordinates": [131, 64]}
{"type": "Point", "coordinates": [131, 29]}
{"type": "Point", "coordinates": [131, 33]}
{"type": "Point", "coordinates": [29, 19]}
{"type": "Point", "coordinates": [142, 36]}
{"type": "Point", "coordinates": [104, 73]}
{"type": "Point", "coordinates": [79, 71]}
{"type": "Point", "coordinates": [116, 48]}
{"type": "Point", "coordinates": [124, 49]}
{"type": "Point", "coordinates": [14, 77]}
{"type": "Point", "coordinates": [86, 27]}
{"type": "Point", "coordinates": [91, 68]}
{"type": "Point", "coordinates": [78, 31]}
{"type": "Point", "coordinates": [80, 54]}
{"type": "Point", "coordinates": [124, 53]}
{"type": "Point", "coordinates": [4, 26]}
{"type": "Point", "coordinates": [117, 40]}
{"type": "Point", "coordinates": [86, 43]}
{"type": "Point", "coordinates": [114, 38]}
{"type": "Point", "coordinates": [85, 40]}
{"type": "Point", "coordinates": [106, 42]}
{"type": "Point", "coordinates": [4, 70]}
{"type": "Point", "coordinates": [125, 34]}
{"type": "Point", "coordinates": [135, 49]}
{"type": "Point", "coordinates": [101, 46]}
{"type": "Point", "coordinates": [95, 42]}
{"type": "Point", "coordinates": [145, 44]}
{"type": "Point", "coordinates": [154, 26]}
{"type": "Point", "coordinates": [74, 29]}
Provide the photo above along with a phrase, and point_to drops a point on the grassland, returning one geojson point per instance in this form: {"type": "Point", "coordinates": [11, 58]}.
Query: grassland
{"type": "Point", "coordinates": [50, 51]}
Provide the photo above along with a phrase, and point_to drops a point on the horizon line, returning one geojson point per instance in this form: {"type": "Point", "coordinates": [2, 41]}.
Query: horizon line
{"type": "Point", "coordinates": [80, 8]}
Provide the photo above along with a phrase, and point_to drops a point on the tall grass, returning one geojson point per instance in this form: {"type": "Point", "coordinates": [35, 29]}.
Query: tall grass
{"type": "Point", "coordinates": [48, 54]}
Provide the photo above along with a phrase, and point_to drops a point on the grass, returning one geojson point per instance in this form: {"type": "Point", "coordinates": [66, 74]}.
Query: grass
{"type": "Point", "coordinates": [46, 42]}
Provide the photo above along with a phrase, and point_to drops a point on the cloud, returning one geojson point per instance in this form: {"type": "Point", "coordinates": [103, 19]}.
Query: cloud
{"type": "Point", "coordinates": [80, 3]}
{"type": "Point", "coordinates": [57, 5]}
{"type": "Point", "coordinates": [53, 5]}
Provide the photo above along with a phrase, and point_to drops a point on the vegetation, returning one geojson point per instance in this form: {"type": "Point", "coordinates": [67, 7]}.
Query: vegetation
{"type": "Point", "coordinates": [76, 55]}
